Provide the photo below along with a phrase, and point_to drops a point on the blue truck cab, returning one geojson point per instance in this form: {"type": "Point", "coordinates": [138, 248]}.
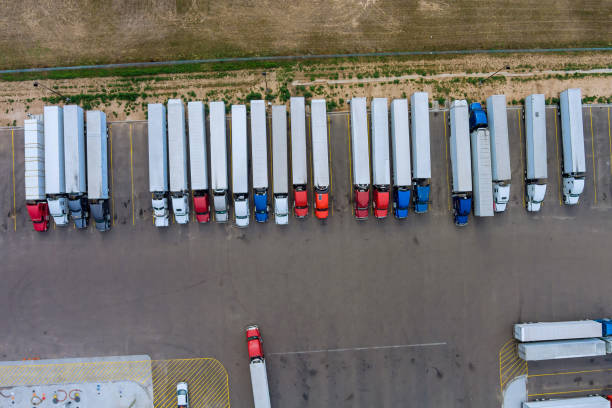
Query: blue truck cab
{"type": "Point", "coordinates": [606, 327]}
{"type": "Point", "coordinates": [261, 205]}
{"type": "Point", "coordinates": [462, 206]}
{"type": "Point", "coordinates": [421, 197]}
{"type": "Point", "coordinates": [478, 117]}
{"type": "Point", "coordinates": [401, 202]}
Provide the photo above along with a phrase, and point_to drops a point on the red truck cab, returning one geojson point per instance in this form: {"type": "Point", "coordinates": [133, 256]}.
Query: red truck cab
{"type": "Point", "coordinates": [39, 213]}
{"type": "Point", "coordinates": [300, 201]}
{"type": "Point", "coordinates": [254, 342]}
{"type": "Point", "coordinates": [322, 203]}
{"type": "Point", "coordinates": [380, 203]}
{"type": "Point", "coordinates": [362, 203]}
{"type": "Point", "coordinates": [201, 206]}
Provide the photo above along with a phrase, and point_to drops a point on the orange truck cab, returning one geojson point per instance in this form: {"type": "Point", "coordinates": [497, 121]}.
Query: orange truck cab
{"type": "Point", "coordinates": [321, 203]}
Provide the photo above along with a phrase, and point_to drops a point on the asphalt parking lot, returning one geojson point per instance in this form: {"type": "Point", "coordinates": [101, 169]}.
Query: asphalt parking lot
{"type": "Point", "coordinates": [360, 314]}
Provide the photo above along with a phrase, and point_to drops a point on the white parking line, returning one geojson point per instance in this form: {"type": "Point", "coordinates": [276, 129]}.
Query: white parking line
{"type": "Point", "coordinates": [360, 348]}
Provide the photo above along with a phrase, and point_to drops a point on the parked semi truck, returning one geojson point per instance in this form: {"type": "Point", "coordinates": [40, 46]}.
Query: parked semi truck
{"type": "Point", "coordinates": [421, 158]}
{"type": "Point", "coordinates": [34, 154]}
{"type": "Point", "coordinates": [543, 331]}
{"type": "Point", "coordinates": [299, 171]}
{"type": "Point", "coordinates": [259, 160]}
{"type": "Point", "coordinates": [218, 160]}
{"type": "Point", "coordinates": [558, 349]}
{"type": "Point", "coordinates": [177, 160]}
{"type": "Point", "coordinates": [400, 143]}
{"type": "Point", "coordinates": [97, 170]}
{"type": "Point", "coordinates": [460, 160]}
{"type": "Point", "coordinates": [572, 133]}
{"type": "Point", "coordinates": [320, 158]}
{"type": "Point", "coordinates": [500, 151]}
{"type": "Point", "coordinates": [158, 162]}
{"type": "Point", "coordinates": [360, 157]}
{"type": "Point", "coordinates": [482, 181]}
{"type": "Point", "coordinates": [198, 161]}
{"type": "Point", "coordinates": [279, 165]}
{"type": "Point", "coordinates": [580, 402]}
{"type": "Point", "coordinates": [240, 166]}
{"type": "Point", "coordinates": [257, 366]}
{"type": "Point", "coordinates": [75, 170]}
{"type": "Point", "coordinates": [380, 157]}
{"type": "Point", "coordinates": [536, 156]}
{"type": "Point", "coordinates": [55, 182]}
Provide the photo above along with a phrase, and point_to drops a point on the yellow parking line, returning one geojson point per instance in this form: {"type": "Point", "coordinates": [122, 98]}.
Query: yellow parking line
{"type": "Point", "coordinates": [572, 372]}
{"type": "Point", "coordinates": [350, 161]}
{"type": "Point", "coordinates": [14, 203]}
{"type": "Point", "coordinates": [569, 392]}
{"type": "Point", "coordinates": [593, 152]}
{"type": "Point", "coordinates": [558, 161]}
{"type": "Point", "coordinates": [518, 118]}
{"type": "Point", "coordinates": [329, 154]}
{"type": "Point", "coordinates": [132, 176]}
{"type": "Point", "coordinates": [446, 161]}
{"type": "Point", "coordinates": [110, 139]}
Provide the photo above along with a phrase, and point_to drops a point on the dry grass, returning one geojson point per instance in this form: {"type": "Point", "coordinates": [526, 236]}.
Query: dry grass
{"type": "Point", "coordinates": [71, 32]}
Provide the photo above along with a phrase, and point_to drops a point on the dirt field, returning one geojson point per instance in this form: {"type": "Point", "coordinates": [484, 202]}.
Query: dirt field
{"type": "Point", "coordinates": [50, 33]}
{"type": "Point", "coordinates": [126, 98]}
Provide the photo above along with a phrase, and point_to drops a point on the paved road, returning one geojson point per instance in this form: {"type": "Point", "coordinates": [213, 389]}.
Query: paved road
{"type": "Point", "coordinates": [444, 298]}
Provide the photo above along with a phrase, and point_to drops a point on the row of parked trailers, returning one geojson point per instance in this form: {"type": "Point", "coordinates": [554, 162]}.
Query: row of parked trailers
{"type": "Point", "coordinates": [66, 172]}
{"type": "Point", "coordinates": [480, 155]}
{"type": "Point", "coordinates": [168, 151]}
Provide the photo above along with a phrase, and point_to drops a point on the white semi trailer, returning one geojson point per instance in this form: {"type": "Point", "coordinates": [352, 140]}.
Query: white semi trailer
{"type": "Point", "coordinates": [299, 167]}
{"type": "Point", "coordinates": [97, 170]}
{"type": "Point", "coordinates": [55, 182]}
{"type": "Point", "coordinates": [34, 166]}
{"type": "Point", "coordinates": [558, 349]}
{"type": "Point", "coordinates": [177, 160]}
{"type": "Point", "coordinates": [580, 402]}
{"type": "Point", "coordinates": [240, 168]}
{"type": "Point", "coordinates": [198, 161]}
{"type": "Point", "coordinates": [536, 156]}
{"type": "Point", "coordinates": [75, 170]}
{"type": "Point", "coordinates": [460, 160]}
{"type": "Point", "coordinates": [218, 160]}
{"type": "Point", "coordinates": [320, 158]}
{"type": "Point", "coordinates": [158, 163]}
{"type": "Point", "coordinates": [360, 157]}
{"type": "Point", "coordinates": [542, 331]}
{"type": "Point", "coordinates": [421, 157]}
{"type": "Point", "coordinates": [572, 133]}
{"type": "Point", "coordinates": [500, 151]}
{"type": "Point", "coordinates": [279, 165]}
{"type": "Point", "coordinates": [381, 174]}
{"type": "Point", "coordinates": [481, 171]}
{"type": "Point", "coordinates": [259, 159]}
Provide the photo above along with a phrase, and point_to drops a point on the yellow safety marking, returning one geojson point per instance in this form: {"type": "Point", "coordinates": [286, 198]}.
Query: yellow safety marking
{"type": "Point", "coordinates": [14, 203]}
{"type": "Point", "coordinates": [510, 365]}
{"type": "Point", "coordinates": [132, 176]}
{"type": "Point", "coordinates": [329, 154]}
{"type": "Point", "coordinates": [558, 161]}
{"type": "Point", "coordinates": [446, 161]}
{"type": "Point", "coordinates": [311, 179]}
{"type": "Point", "coordinates": [572, 372]}
{"type": "Point", "coordinates": [350, 161]}
{"type": "Point", "coordinates": [593, 152]}
{"type": "Point", "coordinates": [518, 118]}
{"type": "Point", "coordinates": [110, 138]}
{"type": "Point", "coordinates": [570, 392]}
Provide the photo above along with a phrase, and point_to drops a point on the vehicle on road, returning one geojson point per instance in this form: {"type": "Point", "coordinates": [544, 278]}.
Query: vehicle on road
{"type": "Point", "coordinates": [279, 165]}
{"type": "Point", "coordinates": [482, 182]}
{"type": "Point", "coordinates": [75, 167]}
{"type": "Point", "coordinates": [460, 161]}
{"type": "Point", "coordinates": [55, 182]}
{"type": "Point", "coordinates": [158, 162]}
{"type": "Point", "coordinates": [500, 151]}
{"type": "Point", "coordinates": [536, 156]}
{"type": "Point", "coordinates": [572, 134]}
{"type": "Point", "coordinates": [34, 154]}
{"type": "Point", "coordinates": [400, 143]}
{"type": "Point", "coordinates": [198, 161]}
{"type": "Point", "coordinates": [360, 158]}
{"type": "Point", "coordinates": [259, 160]}
{"type": "Point", "coordinates": [97, 170]}
{"type": "Point", "coordinates": [257, 366]}
{"type": "Point", "coordinates": [320, 158]}
{"type": "Point", "coordinates": [177, 160]}
{"type": "Point", "coordinates": [299, 166]}
{"type": "Point", "coordinates": [240, 166]}
{"type": "Point", "coordinates": [182, 395]}
{"type": "Point", "coordinates": [421, 157]}
{"type": "Point", "coordinates": [380, 157]}
{"type": "Point", "coordinates": [218, 160]}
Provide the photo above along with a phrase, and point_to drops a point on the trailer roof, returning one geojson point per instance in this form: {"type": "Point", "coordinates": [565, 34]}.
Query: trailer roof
{"type": "Point", "coordinates": [74, 150]}
{"type": "Point", "coordinates": [259, 144]}
{"type": "Point", "coordinates": [218, 146]}
{"type": "Point", "coordinates": [197, 146]}
{"type": "Point", "coordinates": [481, 171]}
{"type": "Point", "coordinates": [421, 157]}
{"type": "Point", "coordinates": [34, 158]}
{"type": "Point", "coordinates": [299, 170]}
{"type": "Point", "coordinates": [158, 148]}
{"type": "Point", "coordinates": [360, 142]}
{"type": "Point", "coordinates": [240, 172]}
{"type": "Point", "coordinates": [177, 145]}
{"type": "Point", "coordinates": [497, 116]}
{"type": "Point", "coordinates": [97, 157]}
{"type": "Point", "coordinates": [320, 153]}
{"type": "Point", "coordinates": [380, 142]}
{"type": "Point", "coordinates": [400, 142]}
{"type": "Point", "coordinates": [279, 149]}
{"type": "Point", "coordinates": [460, 147]}
{"type": "Point", "coordinates": [572, 131]}
{"type": "Point", "coordinates": [55, 182]}
{"type": "Point", "coordinates": [535, 137]}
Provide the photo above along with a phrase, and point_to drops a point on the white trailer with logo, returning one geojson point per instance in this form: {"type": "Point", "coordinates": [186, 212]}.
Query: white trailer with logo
{"type": "Point", "coordinates": [536, 155]}
{"type": "Point", "coordinates": [177, 160]}
{"type": "Point", "coordinates": [572, 133]}
{"type": "Point", "coordinates": [218, 160]}
{"type": "Point", "coordinates": [500, 151]}
{"type": "Point", "coordinates": [158, 162]}
{"type": "Point", "coordinates": [55, 182]}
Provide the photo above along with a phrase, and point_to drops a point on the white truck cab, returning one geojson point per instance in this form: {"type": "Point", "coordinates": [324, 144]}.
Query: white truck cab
{"type": "Point", "coordinates": [160, 210]}
{"type": "Point", "coordinates": [535, 196]}
{"type": "Point", "coordinates": [501, 196]}
{"type": "Point", "coordinates": [281, 210]}
{"type": "Point", "coordinates": [220, 203]}
{"type": "Point", "coordinates": [58, 209]}
{"type": "Point", "coordinates": [572, 188]}
{"type": "Point", "coordinates": [241, 211]}
{"type": "Point", "coordinates": [180, 205]}
{"type": "Point", "coordinates": [182, 395]}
